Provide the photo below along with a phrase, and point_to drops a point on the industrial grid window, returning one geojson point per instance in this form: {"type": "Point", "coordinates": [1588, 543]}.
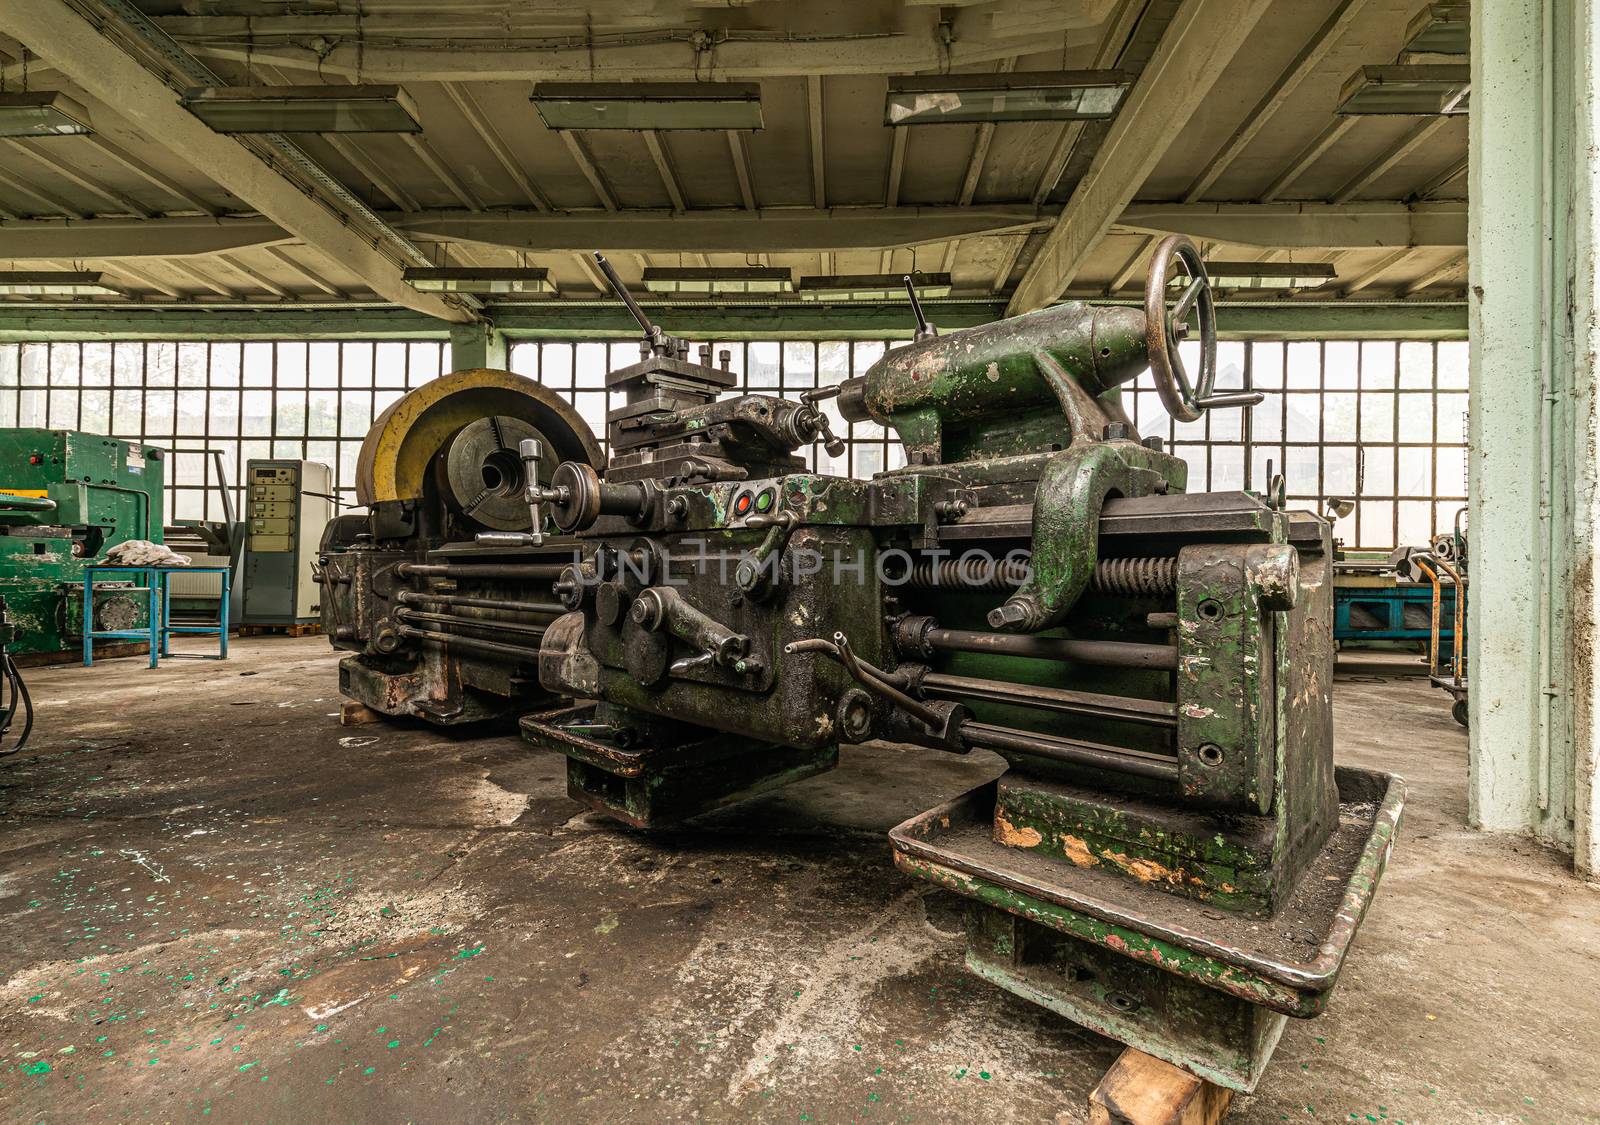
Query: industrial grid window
{"type": "Point", "coordinates": [1383, 422]}
{"type": "Point", "coordinates": [312, 400]}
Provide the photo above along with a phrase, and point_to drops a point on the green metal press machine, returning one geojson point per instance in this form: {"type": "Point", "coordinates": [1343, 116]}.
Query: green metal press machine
{"type": "Point", "coordinates": [66, 498]}
{"type": "Point", "coordinates": [1170, 856]}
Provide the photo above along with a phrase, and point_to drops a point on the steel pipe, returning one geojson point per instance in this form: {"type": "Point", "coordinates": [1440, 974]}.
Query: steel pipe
{"type": "Point", "coordinates": [1111, 654]}
{"type": "Point", "coordinates": [463, 601]}
{"type": "Point", "coordinates": [1150, 712]}
{"type": "Point", "coordinates": [469, 644]}
{"type": "Point", "coordinates": [1071, 751]}
{"type": "Point", "coordinates": [532, 571]}
{"type": "Point", "coordinates": [489, 625]}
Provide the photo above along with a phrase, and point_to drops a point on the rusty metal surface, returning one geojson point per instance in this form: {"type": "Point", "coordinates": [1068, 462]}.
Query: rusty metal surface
{"type": "Point", "coordinates": [953, 846]}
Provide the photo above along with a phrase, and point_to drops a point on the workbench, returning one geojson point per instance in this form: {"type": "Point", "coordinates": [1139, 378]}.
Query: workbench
{"type": "Point", "coordinates": [152, 581]}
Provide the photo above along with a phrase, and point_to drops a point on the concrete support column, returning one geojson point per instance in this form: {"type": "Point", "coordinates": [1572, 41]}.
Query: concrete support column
{"type": "Point", "coordinates": [476, 345]}
{"type": "Point", "coordinates": [1534, 618]}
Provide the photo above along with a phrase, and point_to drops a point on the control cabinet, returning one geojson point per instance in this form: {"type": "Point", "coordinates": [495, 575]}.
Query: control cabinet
{"type": "Point", "coordinates": [287, 505]}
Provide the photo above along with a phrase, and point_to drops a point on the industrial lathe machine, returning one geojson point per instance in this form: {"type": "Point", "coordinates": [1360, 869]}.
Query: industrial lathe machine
{"type": "Point", "coordinates": [66, 498]}
{"type": "Point", "coordinates": [1170, 856]}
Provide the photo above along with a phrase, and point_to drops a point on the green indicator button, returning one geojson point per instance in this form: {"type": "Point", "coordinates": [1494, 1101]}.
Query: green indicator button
{"type": "Point", "coordinates": [764, 501]}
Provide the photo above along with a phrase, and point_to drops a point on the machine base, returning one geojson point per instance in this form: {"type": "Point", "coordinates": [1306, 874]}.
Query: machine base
{"type": "Point", "coordinates": [653, 786]}
{"type": "Point", "coordinates": [1201, 987]}
{"type": "Point", "coordinates": [1217, 1036]}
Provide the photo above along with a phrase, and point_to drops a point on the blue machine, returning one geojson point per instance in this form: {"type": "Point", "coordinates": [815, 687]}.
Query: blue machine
{"type": "Point", "coordinates": [1388, 608]}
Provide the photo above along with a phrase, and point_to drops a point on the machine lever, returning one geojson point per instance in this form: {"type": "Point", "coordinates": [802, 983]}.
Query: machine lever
{"type": "Point", "coordinates": [531, 451]}
{"type": "Point", "coordinates": [925, 330]}
{"type": "Point", "coordinates": [658, 341]}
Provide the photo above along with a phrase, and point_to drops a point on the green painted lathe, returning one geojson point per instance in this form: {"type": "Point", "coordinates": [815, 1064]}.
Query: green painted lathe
{"type": "Point", "coordinates": [66, 498]}
{"type": "Point", "coordinates": [1170, 857]}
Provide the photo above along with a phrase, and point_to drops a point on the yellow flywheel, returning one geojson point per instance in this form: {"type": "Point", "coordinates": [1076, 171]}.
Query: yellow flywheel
{"type": "Point", "coordinates": [479, 407]}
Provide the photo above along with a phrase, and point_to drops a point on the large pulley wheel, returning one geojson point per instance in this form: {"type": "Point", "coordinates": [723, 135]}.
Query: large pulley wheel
{"type": "Point", "coordinates": [475, 418]}
{"type": "Point", "coordinates": [1170, 318]}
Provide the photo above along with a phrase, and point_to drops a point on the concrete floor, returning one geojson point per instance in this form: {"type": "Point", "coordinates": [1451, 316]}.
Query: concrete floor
{"type": "Point", "coordinates": [217, 902]}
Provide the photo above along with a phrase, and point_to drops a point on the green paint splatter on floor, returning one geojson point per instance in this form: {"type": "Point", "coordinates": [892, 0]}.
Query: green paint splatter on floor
{"type": "Point", "coordinates": [40, 1067]}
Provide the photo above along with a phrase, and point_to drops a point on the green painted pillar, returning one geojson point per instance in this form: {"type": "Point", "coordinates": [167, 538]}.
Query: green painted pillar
{"type": "Point", "coordinates": [476, 345]}
{"type": "Point", "coordinates": [1534, 618]}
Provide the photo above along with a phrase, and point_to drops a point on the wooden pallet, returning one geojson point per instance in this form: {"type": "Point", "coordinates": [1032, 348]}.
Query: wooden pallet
{"type": "Point", "coordinates": [1141, 1090]}
{"type": "Point", "coordinates": [299, 629]}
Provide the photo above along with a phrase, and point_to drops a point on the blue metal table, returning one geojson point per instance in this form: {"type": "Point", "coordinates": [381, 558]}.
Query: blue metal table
{"type": "Point", "coordinates": [152, 581]}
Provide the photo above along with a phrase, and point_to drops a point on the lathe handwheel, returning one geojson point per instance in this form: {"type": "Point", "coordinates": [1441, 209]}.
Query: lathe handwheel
{"type": "Point", "coordinates": [1167, 323]}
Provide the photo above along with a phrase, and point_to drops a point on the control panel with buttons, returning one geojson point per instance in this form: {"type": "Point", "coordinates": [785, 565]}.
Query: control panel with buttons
{"type": "Point", "coordinates": [756, 498]}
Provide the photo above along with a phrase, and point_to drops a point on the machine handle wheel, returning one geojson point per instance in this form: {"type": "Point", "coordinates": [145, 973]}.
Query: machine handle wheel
{"type": "Point", "coordinates": [1168, 324]}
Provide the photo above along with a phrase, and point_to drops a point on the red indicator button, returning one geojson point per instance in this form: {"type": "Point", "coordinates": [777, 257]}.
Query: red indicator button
{"type": "Point", "coordinates": [741, 505]}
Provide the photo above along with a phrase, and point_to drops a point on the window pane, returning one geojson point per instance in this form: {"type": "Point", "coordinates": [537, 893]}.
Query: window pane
{"type": "Point", "coordinates": [319, 398]}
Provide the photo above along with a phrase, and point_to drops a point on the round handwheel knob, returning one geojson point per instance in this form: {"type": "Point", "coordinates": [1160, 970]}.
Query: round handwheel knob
{"type": "Point", "coordinates": [581, 507]}
{"type": "Point", "coordinates": [1170, 319]}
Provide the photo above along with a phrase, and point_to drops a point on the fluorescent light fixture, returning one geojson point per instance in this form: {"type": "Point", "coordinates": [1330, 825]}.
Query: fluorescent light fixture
{"type": "Point", "coordinates": [872, 286]}
{"type": "Point", "coordinates": [648, 105]}
{"type": "Point", "coordinates": [742, 279]}
{"type": "Point", "coordinates": [1269, 275]}
{"type": "Point", "coordinates": [1411, 91]}
{"type": "Point", "coordinates": [1440, 29]}
{"type": "Point", "coordinates": [303, 109]}
{"type": "Point", "coordinates": [56, 283]}
{"type": "Point", "coordinates": [493, 280]}
{"type": "Point", "coordinates": [1044, 95]}
{"type": "Point", "coordinates": [48, 113]}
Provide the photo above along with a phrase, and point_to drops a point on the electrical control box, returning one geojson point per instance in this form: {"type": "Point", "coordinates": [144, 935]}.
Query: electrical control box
{"type": "Point", "coordinates": [287, 504]}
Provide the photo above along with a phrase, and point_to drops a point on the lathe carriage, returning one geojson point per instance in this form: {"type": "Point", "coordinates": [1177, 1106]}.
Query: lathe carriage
{"type": "Point", "coordinates": [1170, 856]}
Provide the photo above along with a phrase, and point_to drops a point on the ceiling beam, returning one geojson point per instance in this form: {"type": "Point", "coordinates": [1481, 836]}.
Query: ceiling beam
{"type": "Point", "coordinates": [118, 202]}
{"type": "Point", "coordinates": [1359, 225]}
{"type": "Point", "coordinates": [897, 166]}
{"type": "Point", "coordinates": [1131, 267]}
{"type": "Point", "coordinates": [1378, 269]}
{"type": "Point", "coordinates": [1110, 49]}
{"type": "Point", "coordinates": [767, 230]}
{"type": "Point", "coordinates": [442, 171]}
{"type": "Point", "coordinates": [347, 147]}
{"type": "Point", "coordinates": [316, 280]}
{"type": "Point", "coordinates": [144, 278]}
{"type": "Point", "coordinates": [490, 136]}
{"type": "Point", "coordinates": [205, 280]}
{"type": "Point", "coordinates": [1390, 157]}
{"type": "Point", "coordinates": [1448, 268]}
{"type": "Point", "coordinates": [256, 277]}
{"type": "Point", "coordinates": [171, 236]}
{"type": "Point", "coordinates": [1306, 226]}
{"type": "Point", "coordinates": [663, 162]}
{"type": "Point", "coordinates": [352, 45]}
{"type": "Point", "coordinates": [980, 148]}
{"type": "Point", "coordinates": [584, 159]}
{"type": "Point", "coordinates": [819, 175]}
{"type": "Point", "coordinates": [156, 179]}
{"type": "Point", "coordinates": [357, 158]}
{"type": "Point", "coordinates": [1444, 179]}
{"type": "Point", "coordinates": [1304, 65]}
{"type": "Point", "coordinates": [54, 30]}
{"type": "Point", "coordinates": [1198, 44]}
{"type": "Point", "coordinates": [741, 169]}
{"type": "Point", "coordinates": [53, 205]}
{"type": "Point", "coordinates": [1306, 157]}
{"type": "Point", "coordinates": [587, 266]}
{"type": "Point", "coordinates": [1010, 250]}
